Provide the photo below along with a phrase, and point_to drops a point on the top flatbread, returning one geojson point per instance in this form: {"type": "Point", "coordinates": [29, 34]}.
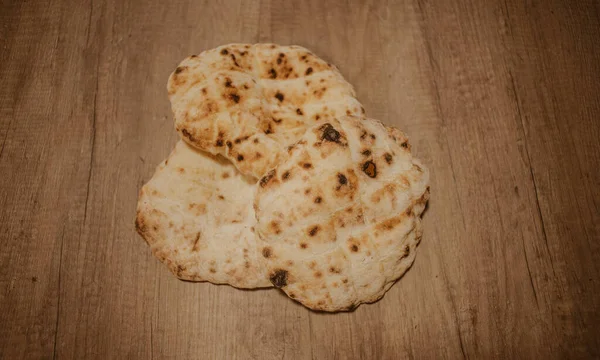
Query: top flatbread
{"type": "Point", "coordinates": [249, 102]}
{"type": "Point", "coordinates": [339, 220]}
{"type": "Point", "coordinates": [196, 214]}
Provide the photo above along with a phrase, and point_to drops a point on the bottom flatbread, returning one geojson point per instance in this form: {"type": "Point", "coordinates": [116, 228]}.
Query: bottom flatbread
{"type": "Point", "coordinates": [196, 214]}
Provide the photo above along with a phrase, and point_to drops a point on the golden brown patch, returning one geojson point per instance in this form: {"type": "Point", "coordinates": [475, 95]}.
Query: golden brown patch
{"type": "Point", "coordinates": [180, 269]}
{"type": "Point", "coordinates": [140, 225]}
{"type": "Point", "coordinates": [241, 139]}
{"type": "Point", "coordinates": [275, 227]}
{"type": "Point", "coordinates": [318, 200]}
{"type": "Point", "coordinates": [318, 274]}
{"type": "Point", "coordinates": [196, 240]}
{"type": "Point", "coordinates": [390, 223]}
{"type": "Point", "coordinates": [303, 245]}
{"type": "Point", "coordinates": [267, 252]}
{"type": "Point", "coordinates": [225, 175]}
{"type": "Point", "coordinates": [314, 230]}
{"type": "Point", "coordinates": [212, 270]}
{"type": "Point", "coordinates": [199, 209]}
{"type": "Point", "coordinates": [334, 270]}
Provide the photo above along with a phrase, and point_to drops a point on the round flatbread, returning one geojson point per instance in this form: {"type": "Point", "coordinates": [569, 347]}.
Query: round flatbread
{"type": "Point", "coordinates": [249, 102]}
{"type": "Point", "coordinates": [339, 219]}
{"type": "Point", "coordinates": [196, 214]}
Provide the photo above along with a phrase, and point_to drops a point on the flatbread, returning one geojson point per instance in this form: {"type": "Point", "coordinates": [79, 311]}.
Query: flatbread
{"type": "Point", "coordinates": [249, 102]}
{"type": "Point", "coordinates": [196, 214]}
{"type": "Point", "coordinates": [339, 220]}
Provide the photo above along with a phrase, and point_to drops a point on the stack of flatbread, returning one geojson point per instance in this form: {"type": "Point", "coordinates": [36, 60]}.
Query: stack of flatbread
{"type": "Point", "coordinates": [280, 179]}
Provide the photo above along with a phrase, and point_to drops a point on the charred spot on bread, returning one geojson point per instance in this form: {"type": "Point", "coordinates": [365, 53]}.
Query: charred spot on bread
{"type": "Point", "coordinates": [279, 278]}
{"type": "Point", "coordinates": [370, 169]}
{"type": "Point", "coordinates": [188, 135]}
{"type": "Point", "coordinates": [265, 179]}
{"type": "Point", "coordinates": [388, 158]}
{"type": "Point", "coordinates": [329, 133]}
{"type": "Point", "coordinates": [234, 97]}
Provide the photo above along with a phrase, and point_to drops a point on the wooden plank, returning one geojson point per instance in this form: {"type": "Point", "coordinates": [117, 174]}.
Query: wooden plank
{"type": "Point", "coordinates": [500, 311]}
{"type": "Point", "coordinates": [46, 101]}
{"type": "Point", "coordinates": [555, 69]}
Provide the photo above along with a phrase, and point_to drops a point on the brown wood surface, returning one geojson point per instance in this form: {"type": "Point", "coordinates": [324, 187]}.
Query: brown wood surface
{"type": "Point", "coordinates": [500, 98]}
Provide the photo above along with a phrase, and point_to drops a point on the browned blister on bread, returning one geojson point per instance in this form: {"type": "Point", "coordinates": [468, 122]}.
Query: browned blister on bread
{"type": "Point", "coordinates": [196, 214]}
{"type": "Point", "coordinates": [250, 102]}
{"type": "Point", "coordinates": [339, 219]}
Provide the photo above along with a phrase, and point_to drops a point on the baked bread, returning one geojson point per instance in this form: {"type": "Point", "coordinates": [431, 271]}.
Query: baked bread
{"type": "Point", "coordinates": [196, 214]}
{"type": "Point", "coordinates": [249, 102]}
{"type": "Point", "coordinates": [339, 219]}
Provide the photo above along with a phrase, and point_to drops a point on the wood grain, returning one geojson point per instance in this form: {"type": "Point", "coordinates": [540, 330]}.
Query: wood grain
{"type": "Point", "coordinates": [500, 99]}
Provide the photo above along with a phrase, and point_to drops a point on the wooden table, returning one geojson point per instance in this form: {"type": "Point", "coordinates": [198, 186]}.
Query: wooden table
{"type": "Point", "coordinates": [500, 98]}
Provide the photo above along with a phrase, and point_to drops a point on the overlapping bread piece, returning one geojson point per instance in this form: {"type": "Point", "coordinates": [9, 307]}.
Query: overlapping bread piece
{"type": "Point", "coordinates": [249, 102]}
{"type": "Point", "coordinates": [339, 220]}
{"type": "Point", "coordinates": [196, 214]}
